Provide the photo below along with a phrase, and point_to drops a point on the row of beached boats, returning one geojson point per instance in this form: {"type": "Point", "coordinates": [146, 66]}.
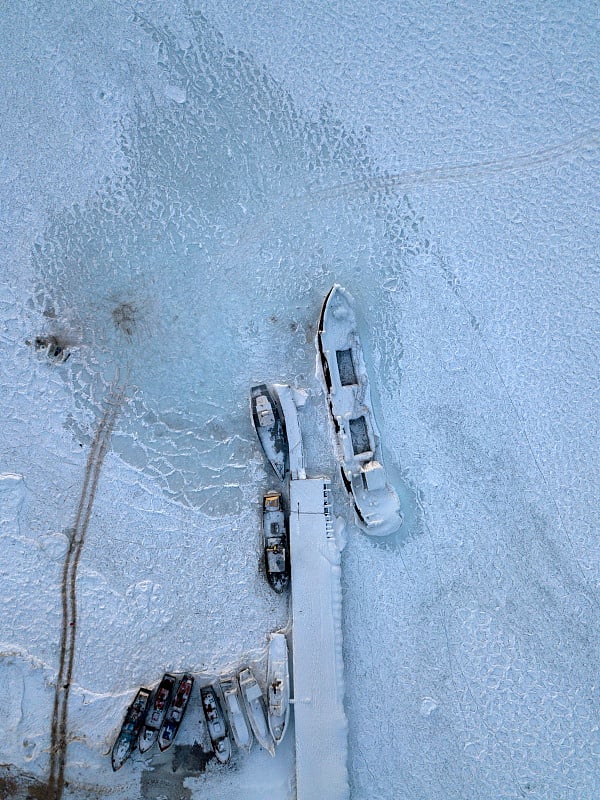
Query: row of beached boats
{"type": "Point", "coordinates": [234, 708]}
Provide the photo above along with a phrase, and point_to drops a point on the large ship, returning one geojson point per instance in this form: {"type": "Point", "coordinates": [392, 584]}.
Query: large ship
{"type": "Point", "coordinates": [358, 442]}
{"type": "Point", "coordinates": [278, 686]}
{"type": "Point", "coordinates": [275, 541]}
{"type": "Point", "coordinates": [156, 713]}
{"type": "Point", "coordinates": [216, 724]}
{"type": "Point", "coordinates": [130, 730]}
{"type": "Point", "coordinates": [270, 427]}
{"type": "Point", "coordinates": [175, 712]}
{"type": "Point", "coordinates": [255, 709]}
{"type": "Point", "coordinates": [234, 710]}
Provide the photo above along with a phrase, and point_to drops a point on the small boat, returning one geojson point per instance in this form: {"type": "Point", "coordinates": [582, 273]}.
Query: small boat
{"type": "Point", "coordinates": [357, 437]}
{"type": "Point", "coordinates": [255, 710]}
{"type": "Point", "coordinates": [276, 544]}
{"type": "Point", "coordinates": [234, 710]}
{"type": "Point", "coordinates": [278, 687]}
{"type": "Point", "coordinates": [270, 427]}
{"type": "Point", "coordinates": [216, 724]}
{"type": "Point", "coordinates": [130, 730]}
{"type": "Point", "coordinates": [156, 712]}
{"type": "Point", "coordinates": [175, 712]}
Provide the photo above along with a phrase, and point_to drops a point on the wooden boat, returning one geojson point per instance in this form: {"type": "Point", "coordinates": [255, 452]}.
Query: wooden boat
{"type": "Point", "coordinates": [255, 710]}
{"type": "Point", "coordinates": [234, 711]}
{"type": "Point", "coordinates": [216, 724]}
{"type": "Point", "coordinates": [270, 427]}
{"type": "Point", "coordinates": [156, 712]}
{"type": "Point", "coordinates": [130, 730]}
{"type": "Point", "coordinates": [278, 687]}
{"type": "Point", "coordinates": [175, 712]}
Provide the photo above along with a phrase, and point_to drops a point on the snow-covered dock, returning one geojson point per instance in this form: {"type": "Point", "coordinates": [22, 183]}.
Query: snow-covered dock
{"type": "Point", "coordinates": [320, 720]}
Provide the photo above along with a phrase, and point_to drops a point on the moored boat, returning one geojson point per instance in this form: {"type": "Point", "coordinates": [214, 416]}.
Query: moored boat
{"type": "Point", "coordinates": [358, 442]}
{"type": "Point", "coordinates": [175, 712]}
{"type": "Point", "coordinates": [234, 710]}
{"type": "Point", "coordinates": [130, 730]}
{"type": "Point", "coordinates": [270, 427]}
{"type": "Point", "coordinates": [255, 709]}
{"type": "Point", "coordinates": [278, 687]}
{"type": "Point", "coordinates": [216, 723]}
{"type": "Point", "coordinates": [156, 712]}
{"type": "Point", "coordinates": [275, 541]}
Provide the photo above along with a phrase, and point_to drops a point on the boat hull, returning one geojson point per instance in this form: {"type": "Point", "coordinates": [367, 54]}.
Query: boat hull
{"type": "Point", "coordinates": [156, 713]}
{"type": "Point", "coordinates": [357, 439]}
{"type": "Point", "coordinates": [234, 711]}
{"type": "Point", "coordinates": [276, 544]}
{"type": "Point", "coordinates": [269, 425]}
{"type": "Point", "coordinates": [175, 713]}
{"type": "Point", "coordinates": [254, 703]}
{"type": "Point", "coordinates": [216, 723]}
{"type": "Point", "coordinates": [278, 687]}
{"type": "Point", "coordinates": [130, 730]}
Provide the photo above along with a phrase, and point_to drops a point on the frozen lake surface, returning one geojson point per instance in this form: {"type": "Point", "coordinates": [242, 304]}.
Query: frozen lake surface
{"type": "Point", "coordinates": [179, 190]}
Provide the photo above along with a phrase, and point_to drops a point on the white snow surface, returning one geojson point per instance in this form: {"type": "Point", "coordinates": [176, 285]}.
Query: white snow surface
{"type": "Point", "coordinates": [179, 188]}
{"type": "Point", "coordinates": [320, 721]}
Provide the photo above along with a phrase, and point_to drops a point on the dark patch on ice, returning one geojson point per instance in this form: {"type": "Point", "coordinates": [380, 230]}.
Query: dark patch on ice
{"type": "Point", "coordinates": [167, 779]}
{"type": "Point", "coordinates": [191, 758]}
{"type": "Point", "coordinates": [125, 317]}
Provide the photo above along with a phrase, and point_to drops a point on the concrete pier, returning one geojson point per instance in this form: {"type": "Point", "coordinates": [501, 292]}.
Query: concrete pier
{"type": "Point", "coordinates": [320, 721]}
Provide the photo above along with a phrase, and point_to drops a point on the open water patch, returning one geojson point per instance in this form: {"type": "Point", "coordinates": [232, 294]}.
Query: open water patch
{"type": "Point", "coordinates": [200, 269]}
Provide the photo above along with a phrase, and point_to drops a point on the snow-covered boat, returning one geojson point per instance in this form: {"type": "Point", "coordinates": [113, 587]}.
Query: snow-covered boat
{"type": "Point", "coordinates": [234, 710]}
{"type": "Point", "coordinates": [349, 398]}
{"type": "Point", "coordinates": [216, 724]}
{"type": "Point", "coordinates": [270, 427]}
{"type": "Point", "coordinates": [156, 712]}
{"type": "Point", "coordinates": [278, 686]}
{"type": "Point", "coordinates": [275, 540]}
{"type": "Point", "coordinates": [130, 730]}
{"type": "Point", "coordinates": [175, 712]}
{"type": "Point", "coordinates": [255, 710]}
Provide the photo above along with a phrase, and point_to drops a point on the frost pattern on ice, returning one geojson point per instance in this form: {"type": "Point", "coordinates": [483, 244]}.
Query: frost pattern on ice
{"type": "Point", "coordinates": [222, 197]}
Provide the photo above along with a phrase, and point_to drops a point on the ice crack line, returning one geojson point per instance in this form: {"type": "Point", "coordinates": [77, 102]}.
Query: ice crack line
{"type": "Point", "coordinates": [58, 731]}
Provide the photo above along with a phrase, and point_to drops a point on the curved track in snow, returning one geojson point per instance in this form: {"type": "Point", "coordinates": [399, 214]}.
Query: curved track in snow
{"type": "Point", "coordinates": [59, 726]}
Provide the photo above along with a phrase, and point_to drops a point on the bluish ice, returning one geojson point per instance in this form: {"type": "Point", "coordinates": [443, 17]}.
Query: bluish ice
{"type": "Point", "coordinates": [179, 191]}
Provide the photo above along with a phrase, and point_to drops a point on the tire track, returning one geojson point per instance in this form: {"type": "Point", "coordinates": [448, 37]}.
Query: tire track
{"type": "Point", "coordinates": [586, 142]}
{"type": "Point", "coordinates": [60, 710]}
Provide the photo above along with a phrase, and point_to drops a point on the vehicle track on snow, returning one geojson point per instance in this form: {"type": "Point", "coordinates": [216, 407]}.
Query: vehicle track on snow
{"type": "Point", "coordinates": [60, 711]}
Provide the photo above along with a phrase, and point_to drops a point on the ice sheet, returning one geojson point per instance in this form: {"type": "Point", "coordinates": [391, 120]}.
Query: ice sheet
{"type": "Point", "coordinates": [178, 193]}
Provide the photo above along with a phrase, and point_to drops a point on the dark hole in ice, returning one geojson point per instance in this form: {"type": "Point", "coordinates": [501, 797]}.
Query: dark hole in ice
{"type": "Point", "coordinates": [360, 436]}
{"type": "Point", "coordinates": [346, 367]}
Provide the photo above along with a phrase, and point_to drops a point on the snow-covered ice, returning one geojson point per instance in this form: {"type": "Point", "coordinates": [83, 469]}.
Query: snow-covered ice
{"type": "Point", "coordinates": [179, 187]}
{"type": "Point", "coordinates": [319, 718]}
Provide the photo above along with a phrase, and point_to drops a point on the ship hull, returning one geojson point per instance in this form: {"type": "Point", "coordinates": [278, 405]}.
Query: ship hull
{"type": "Point", "coordinates": [278, 687]}
{"type": "Point", "coordinates": [255, 710]}
{"type": "Point", "coordinates": [156, 713]}
{"type": "Point", "coordinates": [216, 724]}
{"type": "Point", "coordinates": [234, 711]}
{"type": "Point", "coordinates": [276, 544]}
{"type": "Point", "coordinates": [130, 730]}
{"type": "Point", "coordinates": [357, 439]}
{"type": "Point", "coordinates": [269, 425]}
{"type": "Point", "coordinates": [175, 713]}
